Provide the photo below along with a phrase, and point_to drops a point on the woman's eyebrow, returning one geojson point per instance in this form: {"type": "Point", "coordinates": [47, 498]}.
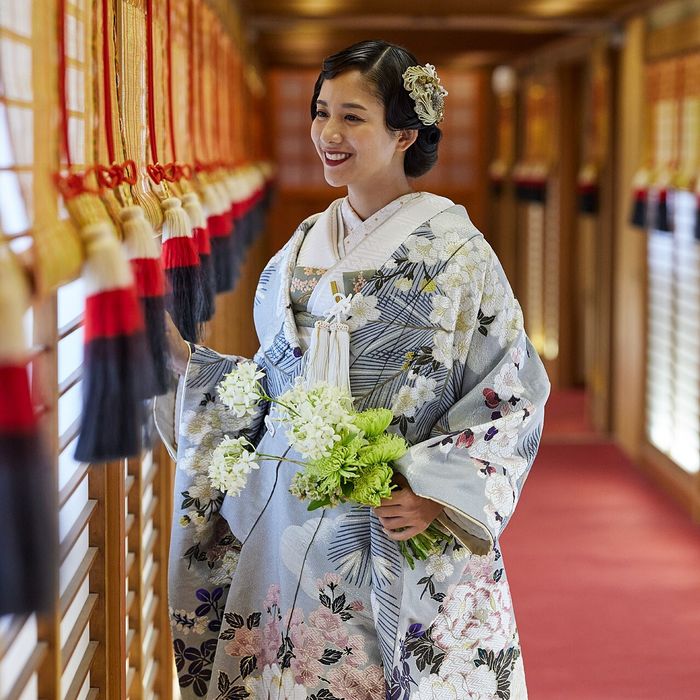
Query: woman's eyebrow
{"type": "Point", "coordinates": [348, 105]}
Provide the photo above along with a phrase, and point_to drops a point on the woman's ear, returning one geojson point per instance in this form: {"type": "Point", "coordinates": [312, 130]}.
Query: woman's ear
{"type": "Point", "coordinates": [407, 137]}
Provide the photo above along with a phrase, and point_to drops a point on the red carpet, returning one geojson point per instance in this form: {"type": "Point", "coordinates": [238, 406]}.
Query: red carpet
{"type": "Point", "coordinates": [605, 573]}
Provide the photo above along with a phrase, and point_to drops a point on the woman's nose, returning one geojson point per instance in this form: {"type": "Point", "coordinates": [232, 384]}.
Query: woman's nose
{"type": "Point", "coordinates": [331, 132]}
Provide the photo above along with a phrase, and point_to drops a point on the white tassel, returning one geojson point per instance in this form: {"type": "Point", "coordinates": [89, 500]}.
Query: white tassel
{"type": "Point", "coordinates": [317, 367]}
{"type": "Point", "coordinates": [329, 351]}
{"type": "Point", "coordinates": [140, 240]}
{"type": "Point", "coordinates": [339, 356]}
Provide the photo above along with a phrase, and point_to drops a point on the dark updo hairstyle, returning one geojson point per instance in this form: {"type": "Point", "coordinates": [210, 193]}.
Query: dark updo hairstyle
{"type": "Point", "coordinates": [383, 65]}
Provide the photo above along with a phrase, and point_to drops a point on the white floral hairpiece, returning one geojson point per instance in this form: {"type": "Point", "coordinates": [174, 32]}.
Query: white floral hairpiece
{"type": "Point", "coordinates": [424, 87]}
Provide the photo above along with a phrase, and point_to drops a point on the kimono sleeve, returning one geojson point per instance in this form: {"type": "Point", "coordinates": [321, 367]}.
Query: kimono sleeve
{"type": "Point", "coordinates": [192, 420]}
{"type": "Point", "coordinates": [480, 451]}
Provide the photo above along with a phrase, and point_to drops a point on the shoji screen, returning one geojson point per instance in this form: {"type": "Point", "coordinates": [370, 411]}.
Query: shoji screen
{"type": "Point", "coordinates": [112, 520]}
{"type": "Point", "coordinates": [673, 292]}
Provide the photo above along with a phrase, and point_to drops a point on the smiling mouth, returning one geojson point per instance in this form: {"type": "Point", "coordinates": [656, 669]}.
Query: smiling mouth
{"type": "Point", "coordinates": [335, 158]}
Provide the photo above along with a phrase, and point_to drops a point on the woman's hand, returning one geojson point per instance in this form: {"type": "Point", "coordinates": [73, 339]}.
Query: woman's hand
{"type": "Point", "coordinates": [178, 348]}
{"type": "Point", "coordinates": [405, 514]}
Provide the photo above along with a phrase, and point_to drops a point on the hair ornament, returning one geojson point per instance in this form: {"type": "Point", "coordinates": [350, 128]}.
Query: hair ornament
{"type": "Point", "coordinates": [423, 85]}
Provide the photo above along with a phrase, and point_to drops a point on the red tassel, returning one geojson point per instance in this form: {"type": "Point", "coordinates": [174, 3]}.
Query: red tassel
{"type": "Point", "coordinates": [220, 235]}
{"type": "Point", "coordinates": [144, 256]}
{"type": "Point", "coordinates": [28, 540]}
{"type": "Point", "coordinates": [181, 262]}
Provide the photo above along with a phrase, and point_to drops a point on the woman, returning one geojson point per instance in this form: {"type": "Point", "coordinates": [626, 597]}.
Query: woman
{"type": "Point", "coordinates": [272, 601]}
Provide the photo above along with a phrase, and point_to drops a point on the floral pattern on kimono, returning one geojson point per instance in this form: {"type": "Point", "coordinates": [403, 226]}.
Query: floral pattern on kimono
{"type": "Point", "coordinates": [269, 600]}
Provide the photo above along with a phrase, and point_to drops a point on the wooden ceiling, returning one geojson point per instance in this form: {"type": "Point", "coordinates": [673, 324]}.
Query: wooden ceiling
{"type": "Point", "coordinates": [299, 33]}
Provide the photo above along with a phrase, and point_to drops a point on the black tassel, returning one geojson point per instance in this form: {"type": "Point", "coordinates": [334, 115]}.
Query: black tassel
{"type": "Point", "coordinates": [113, 392]}
{"type": "Point", "coordinates": [154, 318]}
{"type": "Point", "coordinates": [638, 215]}
{"type": "Point", "coordinates": [221, 254]}
{"type": "Point", "coordinates": [185, 299]}
{"type": "Point", "coordinates": [662, 219]}
{"type": "Point", "coordinates": [28, 537]}
{"type": "Point", "coordinates": [588, 199]}
{"type": "Point", "coordinates": [206, 265]}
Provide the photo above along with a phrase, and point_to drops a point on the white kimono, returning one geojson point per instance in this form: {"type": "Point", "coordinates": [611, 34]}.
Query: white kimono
{"type": "Point", "coordinates": [269, 600]}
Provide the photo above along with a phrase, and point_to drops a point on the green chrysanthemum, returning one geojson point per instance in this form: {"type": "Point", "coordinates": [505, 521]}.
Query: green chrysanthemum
{"type": "Point", "coordinates": [373, 421]}
{"type": "Point", "coordinates": [373, 484]}
{"type": "Point", "coordinates": [384, 448]}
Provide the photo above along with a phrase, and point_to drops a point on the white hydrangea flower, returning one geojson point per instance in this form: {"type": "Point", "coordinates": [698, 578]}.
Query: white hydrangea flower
{"type": "Point", "coordinates": [314, 419]}
{"type": "Point", "coordinates": [462, 343]}
{"type": "Point", "coordinates": [480, 684]}
{"type": "Point", "coordinates": [423, 390]}
{"type": "Point", "coordinates": [509, 324]}
{"type": "Point", "coordinates": [451, 278]}
{"type": "Point", "coordinates": [500, 493]}
{"type": "Point", "coordinates": [363, 309]}
{"type": "Point", "coordinates": [507, 382]}
{"type": "Point", "coordinates": [473, 259]}
{"type": "Point", "coordinates": [440, 566]}
{"type": "Point", "coordinates": [404, 402]}
{"type": "Point", "coordinates": [275, 683]}
{"type": "Point", "coordinates": [493, 299]}
{"type": "Point", "coordinates": [443, 312]}
{"type": "Point", "coordinates": [240, 389]}
{"type": "Point", "coordinates": [201, 489]}
{"type": "Point", "coordinates": [450, 241]}
{"type": "Point", "coordinates": [442, 348]}
{"type": "Point", "coordinates": [422, 250]}
{"type": "Point", "coordinates": [433, 687]}
{"type": "Point", "coordinates": [231, 462]}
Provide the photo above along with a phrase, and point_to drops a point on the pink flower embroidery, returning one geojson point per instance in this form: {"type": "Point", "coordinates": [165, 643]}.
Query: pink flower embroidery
{"type": "Point", "coordinates": [245, 643]}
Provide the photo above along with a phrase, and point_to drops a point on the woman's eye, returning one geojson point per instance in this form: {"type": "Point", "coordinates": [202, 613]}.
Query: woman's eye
{"type": "Point", "coordinates": [353, 118]}
{"type": "Point", "coordinates": [321, 113]}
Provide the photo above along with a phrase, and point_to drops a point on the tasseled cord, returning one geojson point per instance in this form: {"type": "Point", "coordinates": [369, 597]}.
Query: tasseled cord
{"type": "Point", "coordinates": [200, 230]}
{"type": "Point", "coordinates": [116, 370]}
{"type": "Point", "coordinates": [181, 262]}
{"type": "Point", "coordinates": [220, 233]}
{"type": "Point", "coordinates": [142, 250]}
{"type": "Point", "coordinates": [329, 351]}
{"type": "Point", "coordinates": [28, 540]}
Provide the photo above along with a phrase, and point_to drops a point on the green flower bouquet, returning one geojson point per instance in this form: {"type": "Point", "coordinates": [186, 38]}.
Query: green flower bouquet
{"type": "Point", "coordinates": [348, 454]}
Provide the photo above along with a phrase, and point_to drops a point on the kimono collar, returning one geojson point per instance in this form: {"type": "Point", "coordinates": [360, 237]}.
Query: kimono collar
{"type": "Point", "coordinates": [354, 229]}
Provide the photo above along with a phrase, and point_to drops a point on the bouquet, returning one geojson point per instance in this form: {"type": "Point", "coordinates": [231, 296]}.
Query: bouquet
{"type": "Point", "coordinates": [347, 454]}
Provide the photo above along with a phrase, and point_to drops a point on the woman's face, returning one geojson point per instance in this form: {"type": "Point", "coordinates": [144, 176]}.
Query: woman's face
{"type": "Point", "coordinates": [351, 136]}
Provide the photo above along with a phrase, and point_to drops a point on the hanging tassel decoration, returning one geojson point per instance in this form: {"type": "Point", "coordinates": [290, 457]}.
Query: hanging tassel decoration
{"type": "Point", "coordinates": [193, 207]}
{"type": "Point", "coordinates": [339, 356]}
{"type": "Point", "coordinates": [142, 250]}
{"type": "Point", "coordinates": [329, 351]}
{"type": "Point", "coordinates": [316, 369]}
{"type": "Point", "coordinates": [662, 220]}
{"type": "Point", "coordinates": [181, 263]}
{"type": "Point", "coordinates": [28, 540]}
{"type": "Point", "coordinates": [220, 233]}
{"type": "Point", "coordinates": [115, 379]}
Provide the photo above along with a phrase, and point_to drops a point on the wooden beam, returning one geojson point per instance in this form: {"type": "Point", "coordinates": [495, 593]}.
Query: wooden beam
{"type": "Point", "coordinates": [509, 24]}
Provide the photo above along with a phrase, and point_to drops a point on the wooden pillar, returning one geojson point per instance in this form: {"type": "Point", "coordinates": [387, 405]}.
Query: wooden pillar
{"type": "Point", "coordinates": [629, 262]}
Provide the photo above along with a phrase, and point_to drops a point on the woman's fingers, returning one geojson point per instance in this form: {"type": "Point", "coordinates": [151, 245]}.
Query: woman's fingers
{"type": "Point", "coordinates": [403, 534]}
